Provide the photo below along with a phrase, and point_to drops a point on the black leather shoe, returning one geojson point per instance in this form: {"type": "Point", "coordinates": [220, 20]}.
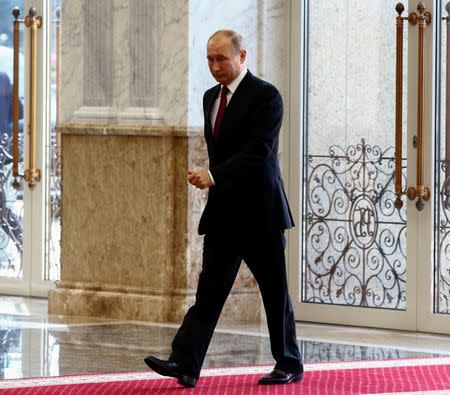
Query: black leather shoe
{"type": "Point", "coordinates": [277, 376]}
{"type": "Point", "coordinates": [171, 369]}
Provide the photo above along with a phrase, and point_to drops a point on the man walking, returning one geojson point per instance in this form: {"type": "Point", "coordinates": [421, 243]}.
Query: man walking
{"type": "Point", "coordinates": [245, 216]}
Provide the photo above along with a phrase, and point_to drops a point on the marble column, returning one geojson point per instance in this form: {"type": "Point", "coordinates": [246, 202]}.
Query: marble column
{"type": "Point", "coordinates": [133, 77]}
{"type": "Point", "coordinates": [129, 247]}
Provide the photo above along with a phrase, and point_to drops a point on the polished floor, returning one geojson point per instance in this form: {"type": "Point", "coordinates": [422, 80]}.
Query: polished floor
{"type": "Point", "coordinates": [34, 343]}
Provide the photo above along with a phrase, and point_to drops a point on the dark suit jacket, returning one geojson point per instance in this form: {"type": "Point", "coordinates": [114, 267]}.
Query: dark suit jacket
{"type": "Point", "coordinates": [249, 191]}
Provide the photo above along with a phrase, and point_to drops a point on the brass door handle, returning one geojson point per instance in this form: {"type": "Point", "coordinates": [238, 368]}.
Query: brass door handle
{"type": "Point", "coordinates": [399, 107]}
{"type": "Point", "coordinates": [16, 14]}
{"type": "Point", "coordinates": [31, 175]}
{"type": "Point", "coordinates": [422, 19]}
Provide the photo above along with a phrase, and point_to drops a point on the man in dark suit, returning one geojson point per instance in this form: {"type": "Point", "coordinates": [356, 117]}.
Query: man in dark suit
{"type": "Point", "coordinates": [244, 218]}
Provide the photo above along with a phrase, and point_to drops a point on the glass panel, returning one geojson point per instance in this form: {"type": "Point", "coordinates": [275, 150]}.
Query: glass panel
{"type": "Point", "coordinates": [354, 240]}
{"type": "Point", "coordinates": [442, 182]}
{"type": "Point", "coordinates": [11, 204]}
{"type": "Point", "coordinates": [11, 355]}
{"type": "Point", "coordinates": [54, 149]}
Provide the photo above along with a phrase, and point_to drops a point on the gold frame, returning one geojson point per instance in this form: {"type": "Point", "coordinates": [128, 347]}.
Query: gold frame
{"type": "Point", "coordinates": [31, 175]}
{"type": "Point", "coordinates": [16, 23]}
{"type": "Point", "coordinates": [421, 192]}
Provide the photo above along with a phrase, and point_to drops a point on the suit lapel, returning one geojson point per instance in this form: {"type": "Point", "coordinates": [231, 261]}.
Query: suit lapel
{"type": "Point", "coordinates": [236, 100]}
{"type": "Point", "coordinates": [238, 97]}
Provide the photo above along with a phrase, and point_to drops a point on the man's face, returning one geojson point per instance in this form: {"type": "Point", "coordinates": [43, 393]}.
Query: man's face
{"type": "Point", "coordinates": [224, 63]}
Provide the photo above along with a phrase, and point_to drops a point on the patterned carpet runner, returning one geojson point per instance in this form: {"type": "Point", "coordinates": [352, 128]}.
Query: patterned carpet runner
{"type": "Point", "coordinates": [406, 376]}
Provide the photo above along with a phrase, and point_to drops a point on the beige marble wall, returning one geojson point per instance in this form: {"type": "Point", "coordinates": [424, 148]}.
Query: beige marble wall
{"type": "Point", "coordinates": [129, 247]}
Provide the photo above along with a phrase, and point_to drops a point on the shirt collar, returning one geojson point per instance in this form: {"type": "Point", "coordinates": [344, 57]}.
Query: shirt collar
{"type": "Point", "coordinates": [232, 86]}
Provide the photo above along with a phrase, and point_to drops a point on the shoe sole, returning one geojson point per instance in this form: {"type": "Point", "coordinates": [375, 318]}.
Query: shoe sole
{"type": "Point", "coordinates": [152, 364]}
{"type": "Point", "coordinates": [185, 381]}
{"type": "Point", "coordinates": [295, 379]}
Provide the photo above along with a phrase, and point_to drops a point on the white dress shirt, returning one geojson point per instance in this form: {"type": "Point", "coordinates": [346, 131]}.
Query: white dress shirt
{"type": "Point", "coordinates": [232, 86]}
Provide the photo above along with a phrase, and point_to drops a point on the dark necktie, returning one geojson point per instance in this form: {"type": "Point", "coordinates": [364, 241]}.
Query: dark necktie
{"type": "Point", "coordinates": [220, 112]}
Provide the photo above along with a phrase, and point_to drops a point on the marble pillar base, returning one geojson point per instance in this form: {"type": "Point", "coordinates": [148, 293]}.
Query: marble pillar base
{"type": "Point", "coordinates": [129, 243]}
{"type": "Point", "coordinates": [155, 307]}
{"type": "Point", "coordinates": [95, 114]}
{"type": "Point", "coordinates": [141, 116]}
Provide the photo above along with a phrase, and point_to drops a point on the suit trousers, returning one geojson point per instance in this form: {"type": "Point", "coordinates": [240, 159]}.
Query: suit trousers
{"type": "Point", "coordinates": [263, 252]}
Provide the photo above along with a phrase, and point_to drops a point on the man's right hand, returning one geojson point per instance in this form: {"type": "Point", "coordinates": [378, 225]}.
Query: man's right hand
{"type": "Point", "coordinates": [200, 178]}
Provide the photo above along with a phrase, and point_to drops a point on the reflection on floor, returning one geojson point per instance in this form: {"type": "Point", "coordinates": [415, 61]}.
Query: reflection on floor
{"type": "Point", "coordinates": [33, 343]}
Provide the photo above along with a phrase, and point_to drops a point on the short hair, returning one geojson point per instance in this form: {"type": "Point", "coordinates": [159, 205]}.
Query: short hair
{"type": "Point", "coordinates": [237, 42]}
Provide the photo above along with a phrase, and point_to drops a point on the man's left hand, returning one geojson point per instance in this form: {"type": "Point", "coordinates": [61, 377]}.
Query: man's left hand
{"type": "Point", "coordinates": [200, 178]}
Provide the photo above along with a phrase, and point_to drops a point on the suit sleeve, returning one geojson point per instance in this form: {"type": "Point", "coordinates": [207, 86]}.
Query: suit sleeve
{"type": "Point", "coordinates": [265, 121]}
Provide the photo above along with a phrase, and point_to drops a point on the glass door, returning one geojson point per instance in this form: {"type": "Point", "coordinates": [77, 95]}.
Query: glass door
{"type": "Point", "coordinates": [434, 252]}
{"type": "Point", "coordinates": [358, 256]}
{"type": "Point", "coordinates": [29, 214]}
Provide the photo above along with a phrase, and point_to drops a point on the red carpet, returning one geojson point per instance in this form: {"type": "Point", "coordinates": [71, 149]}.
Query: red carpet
{"type": "Point", "coordinates": [420, 376]}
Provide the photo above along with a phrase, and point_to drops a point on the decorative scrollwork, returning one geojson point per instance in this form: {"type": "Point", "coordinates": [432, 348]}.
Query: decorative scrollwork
{"type": "Point", "coordinates": [331, 352]}
{"type": "Point", "coordinates": [11, 213]}
{"type": "Point", "coordinates": [442, 243]}
{"type": "Point", "coordinates": [354, 244]}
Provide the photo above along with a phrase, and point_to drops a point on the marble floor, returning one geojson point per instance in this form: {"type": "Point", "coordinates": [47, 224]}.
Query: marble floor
{"type": "Point", "coordinates": [34, 343]}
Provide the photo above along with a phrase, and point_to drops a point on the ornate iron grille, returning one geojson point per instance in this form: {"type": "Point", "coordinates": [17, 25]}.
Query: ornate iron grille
{"type": "Point", "coordinates": [442, 244]}
{"type": "Point", "coordinates": [354, 237]}
{"type": "Point", "coordinates": [11, 213]}
{"type": "Point", "coordinates": [316, 352]}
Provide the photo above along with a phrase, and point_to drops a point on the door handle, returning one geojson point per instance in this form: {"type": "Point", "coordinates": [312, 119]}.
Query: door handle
{"type": "Point", "coordinates": [32, 175]}
{"type": "Point", "coordinates": [16, 30]}
{"type": "Point", "coordinates": [422, 19]}
{"type": "Point", "coordinates": [398, 107]}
